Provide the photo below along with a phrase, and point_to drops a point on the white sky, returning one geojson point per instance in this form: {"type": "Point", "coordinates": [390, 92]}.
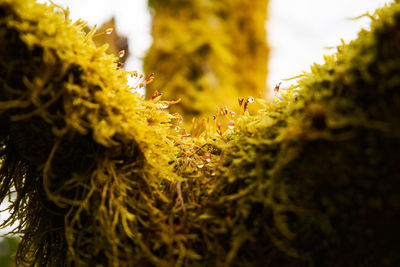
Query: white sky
{"type": "Point", "coordinates": [298, 30]}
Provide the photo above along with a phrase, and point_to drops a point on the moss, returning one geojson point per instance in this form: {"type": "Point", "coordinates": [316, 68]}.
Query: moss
{"type": "Point", "coordinates": [208, 53]}
{"type": "Point", "coordinates": [82, 157]}
{"type": "Point", "coordinates": [313, 180]}
{"type": "Point", "coordinates": [97, 176]}
{"type": "Point", "coordinates": [115, 41]}
{"type": "Point", "coordinates": [8, 248]}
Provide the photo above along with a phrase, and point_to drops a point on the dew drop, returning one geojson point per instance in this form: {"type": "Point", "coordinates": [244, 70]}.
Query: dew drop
{"type": "Point", "coordinates": [251, 99]}
{"type": "Point", "coordinates": [121, 53]}
{"type": "Point", "coordinates": [177, 129]}
{"type": "Point", "coordinates": [233, 114]}
{"type": "Point", "coordinates": [207, 157]}
{"type": "Point", "coordinates": [108, 31]}
{"type": "Point", "coordinates": [163, 104]}
{"type": "Point", "coordinates": [200, 166]}
{"type": "Point", "coordinates": [230, 124]}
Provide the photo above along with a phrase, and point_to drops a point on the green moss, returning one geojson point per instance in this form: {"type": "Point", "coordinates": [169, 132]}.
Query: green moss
{"type": "Point", "coordinates": [208, 53]}
{"type": "Point", "coordinates": [96, 175]}
{"type": "Point", "coordinates": [313, 180]}
{"type": "Point", "coordinates": [8, 248]}
{"type": "Point", "coordinates": [82, 157]}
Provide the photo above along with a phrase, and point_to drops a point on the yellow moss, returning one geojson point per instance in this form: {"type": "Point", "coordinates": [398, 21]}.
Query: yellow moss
{"type": "Point", "coordinates": [305, 181]}
{"type": "Point", "coordinates": [85, 155]}
{"type": "Point", "coordinates": [97, 176]}
{"type": "Point", "coordinates": [115, 41]}
{"type": "Point", "coordinates": [208, 53]}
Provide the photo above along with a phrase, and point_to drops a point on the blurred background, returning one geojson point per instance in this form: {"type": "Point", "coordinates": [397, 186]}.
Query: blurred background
{"type": "Point", "coordinates": [298, 34]}
{"type": "Point", "coordinates": [298, 31]}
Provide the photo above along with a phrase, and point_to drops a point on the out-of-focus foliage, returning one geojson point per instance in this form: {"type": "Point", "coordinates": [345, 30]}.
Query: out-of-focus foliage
{"type": "Point", "coordinates": [97, 176]}
{"type": "Point", "coordinates": [8, 248]}
{"type": "Point", "coordinates": [208, 53]}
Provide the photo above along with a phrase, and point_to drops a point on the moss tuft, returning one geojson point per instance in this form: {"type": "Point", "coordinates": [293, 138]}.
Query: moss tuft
{"type": "Point", "coordinates": [83, 158]}
{"type": "Point", "coordinates": [314, 179]}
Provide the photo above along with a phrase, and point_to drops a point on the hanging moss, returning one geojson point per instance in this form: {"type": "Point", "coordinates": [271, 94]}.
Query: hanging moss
{"type": "Point", "coordinates": [83, 158]}
{"type": "Point", "coordinates": [208, 53]}
{"type": "Point", "coordinates": [314, 180]}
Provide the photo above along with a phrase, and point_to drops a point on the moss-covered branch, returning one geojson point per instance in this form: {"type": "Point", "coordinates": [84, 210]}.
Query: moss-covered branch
{"type": "Point", "coordinates": [83, 158]}
{"type": "Point", "coordinates": [317, 175]}
{"type": "Point", "coordinates": [96, 176]}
